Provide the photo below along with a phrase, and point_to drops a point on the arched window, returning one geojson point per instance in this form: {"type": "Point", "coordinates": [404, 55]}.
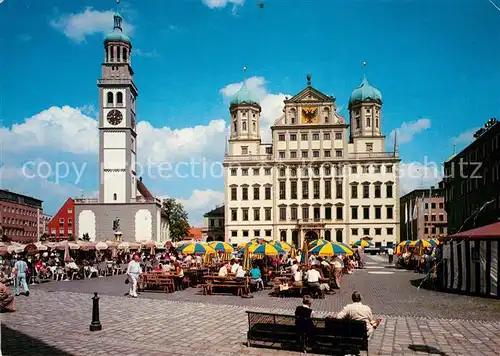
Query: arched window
{"type": "Point", "coordinates": [328, 235]}
{"type": "Point", "coordinates": [244, 126]}
{"type": "Point", "coordinates": [254, 127]}
{"type": "Point", "coordinates": [339, 236]}
{"type": "Point", "coordinates": [376, 123]}
{"type": "Point", "coordinates": [114, 196]}
{"type": "Point", "coordinates": [292, 119]}
{"type": "Point", "coordinates": [357, 124]}
{"type": "Point", "coordinates": [235, 128]}
{"type": "Point", "coordinates": [368, 122]}
{"type": "Point", "coordinates": [112, 56]}
{"type": "Point", "coordinates": [110, 97]}
{"type": "Point", "coordinates": [106, 54]}
{"type": "Point", "coordinates": [119, 98]}
{"type": "Point", "coordinates": [124, 54]}
{"type": "Point", "coordinates": [283, 236]}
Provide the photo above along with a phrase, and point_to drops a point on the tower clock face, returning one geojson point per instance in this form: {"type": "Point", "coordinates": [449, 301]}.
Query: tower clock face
{"type": "Point", "coordinates": [115, 117]}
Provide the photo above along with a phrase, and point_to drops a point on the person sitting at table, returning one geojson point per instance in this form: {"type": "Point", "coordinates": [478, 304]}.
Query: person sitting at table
{"type": "Point", "coordinates": [257, 277]}
{"type": "Point", "coordinates": [224, 270]}
{"type": "Point", "coordinates": [234, 266]}
{"type": "Point", "coordinates": [240, 274]}
{"type": "Point", "coordinates": [297, 277]}
{"type": "Point", "coordinates": [158, 268]}
{"type": "Point", "coordinates": [168, 267]}
{"type": "Point", "coordinates": [313, 277]}
{"type": "Point", "coordinates": [295, 267]}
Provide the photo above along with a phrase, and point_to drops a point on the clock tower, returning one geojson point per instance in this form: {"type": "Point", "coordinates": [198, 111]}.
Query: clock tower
{"type": "Point", "coordinates": [117, 120]}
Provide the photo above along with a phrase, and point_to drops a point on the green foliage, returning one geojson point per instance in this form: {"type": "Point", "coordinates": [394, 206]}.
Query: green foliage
{"type": "Point", "coordinates": [177, 219]}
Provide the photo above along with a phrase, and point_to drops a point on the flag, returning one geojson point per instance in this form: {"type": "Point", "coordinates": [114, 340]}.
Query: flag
{"type": "Point", "coordinates": [415, 211]}
{"type": "Point", "coordinates": [422, 206]}
{"type": "Point", "coordinates": [406, 212]}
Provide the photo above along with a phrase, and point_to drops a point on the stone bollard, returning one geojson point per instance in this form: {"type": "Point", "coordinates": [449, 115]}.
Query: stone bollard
{"type": "Point", "coordinates": [95, 325]}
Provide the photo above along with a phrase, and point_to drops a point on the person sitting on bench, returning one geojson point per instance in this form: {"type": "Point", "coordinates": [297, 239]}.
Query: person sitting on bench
{"type": "Point", "coordinates": [303, 315]}
{"type": "Point", "coordinates": [256, 277]}
{"type": "Point", "coordinates": [358, 311]}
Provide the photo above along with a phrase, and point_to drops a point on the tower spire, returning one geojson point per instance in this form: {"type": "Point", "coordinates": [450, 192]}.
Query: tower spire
{"type": "Point", "coordinates": [364, 72]}
{"type": "Point", "coordinates": [244, 74]}
{"type": "Point", "coordinates": [118, 18]}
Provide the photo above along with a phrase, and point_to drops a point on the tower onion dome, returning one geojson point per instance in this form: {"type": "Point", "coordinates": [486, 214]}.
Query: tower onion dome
{"type": "Point", "coordinates": [365, 92]}
{"type": "Point", "coordinates": [117, 34]}
{"type": "Point", "coordinates": [243, 96]}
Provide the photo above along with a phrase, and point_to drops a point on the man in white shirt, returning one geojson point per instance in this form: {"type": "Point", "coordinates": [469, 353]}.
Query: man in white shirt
{"type": "Point", "coordinates": [223, 270]}
{"type": "Point", "coordinates": [235, 267]}
{"type": "Point", "coordinates": [390, 253]}
{"type": "Point", "coordinates": [240, 274]}
{"type": "Point", "coordinates": [359, 311]}
{"type": "Point", "coordinates": [295, 267]}
{"type": "Point", "coordinates": [133, 271]}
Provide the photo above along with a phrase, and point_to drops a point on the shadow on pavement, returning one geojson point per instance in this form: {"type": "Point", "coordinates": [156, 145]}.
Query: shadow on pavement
{"type": "Point", "coordinates": [16, 343]}
{"type": "Point", "coordinates": [427, 349]}
{"type": "Point", "coordinates": [428, 285]}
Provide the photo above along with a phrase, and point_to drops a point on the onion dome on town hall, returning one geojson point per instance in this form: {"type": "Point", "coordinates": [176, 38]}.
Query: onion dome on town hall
{"type": "Point", "coordinates": [243, 96]}
{"type": "Point", "coordinates": [365, 92]}
{"type": "Point", "coordinates": [117, 34]}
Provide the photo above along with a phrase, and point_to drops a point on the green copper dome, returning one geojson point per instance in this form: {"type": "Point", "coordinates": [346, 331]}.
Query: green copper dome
{"type": "Point", "coordinates": [243, 96]}
{"type": "Point", "coordinates": [365, 92]}
{"type": "Point", "coordinates": [117, 34]}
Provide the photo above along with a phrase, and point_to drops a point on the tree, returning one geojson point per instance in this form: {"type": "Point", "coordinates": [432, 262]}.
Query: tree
{"type": "Point", "coordinates": [177, 219]}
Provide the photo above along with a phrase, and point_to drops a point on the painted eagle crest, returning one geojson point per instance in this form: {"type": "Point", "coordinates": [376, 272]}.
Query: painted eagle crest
{"type": "Point", "coordinates": [309, 114]}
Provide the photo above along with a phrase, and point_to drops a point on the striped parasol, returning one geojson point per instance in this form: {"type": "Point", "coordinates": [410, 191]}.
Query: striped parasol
{"type": "Point", "coordinates": [318, 242]}
{"type": "Point", "coordinates": [363, 243]}
{"type": "Point", "coordinates": [421, 243]}
{"type": "Point", "coordinates": [220, 246]}
{"type": "Point", "coordinates": [285, 246]}
{"type": "Point", "coordinates": [268, 250]}
{"type": "Point", "coordinates": [197, 248]}
{"type": "Point", "coordinates": [247, 263]}
{"type": "Point", "coordinates": [330, 249]}
{"type": "Point", "coordinates": [304, 257]}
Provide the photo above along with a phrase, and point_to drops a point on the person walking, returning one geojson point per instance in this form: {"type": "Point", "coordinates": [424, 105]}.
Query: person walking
{"type": "Point", "coordinates": [390, 253]}
{"type": "Point", "coordinates": [133, 271]}
{"type": "Point", "coordinates": [22, 271]}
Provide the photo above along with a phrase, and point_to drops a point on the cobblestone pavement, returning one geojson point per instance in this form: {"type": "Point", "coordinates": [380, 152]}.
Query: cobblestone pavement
{"type": "Point", "coordinates": [56, 323]}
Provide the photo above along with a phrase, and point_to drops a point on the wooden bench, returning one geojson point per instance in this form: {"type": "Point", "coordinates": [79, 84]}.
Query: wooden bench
{"type": "Point", "coordinates": [239, 287]}
{"type": "Point", "coordinates": [156, 281]}
{"type": "Point", "coordinates": [330, 336]}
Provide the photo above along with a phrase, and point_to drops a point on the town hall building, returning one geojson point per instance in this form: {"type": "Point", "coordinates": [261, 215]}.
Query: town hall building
{"type": "Point", "coordinates": [125, 208]}
{"type": "Point", "coordinates": [319, 178]}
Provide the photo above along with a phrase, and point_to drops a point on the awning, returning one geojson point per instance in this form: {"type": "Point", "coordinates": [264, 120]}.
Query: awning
{"type": "Point", "coordinates": [488, 231]}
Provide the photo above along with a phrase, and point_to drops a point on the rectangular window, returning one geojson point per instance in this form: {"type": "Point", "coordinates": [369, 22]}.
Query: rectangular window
{"type": "Point", "coordinates": [234, 214]}
{"type": "Point", "coordinates": [304, 154]}
{"type": "Point", "coordinates": [366, 191]}
{"type": "Point", "coordinates": [339, 189]}
{"type": "Point", "coordinates": [376, 169]}
{"type": "Point", "coordinates": [390, 212]}
{"type": "Point", "coordinates": [234, 193]}
{"type": "Point", "coordinates": [366, 169]}
{"type": "Point", "coordinates": [426, 230]}
{"type": "Point", "coordinates": [269, 150]}
{"type": "Point", "coordinates": [378, 191]}
{"type": "Point", "coordinates": [433, 205]}
{"type": "Point", "coordinates": [326, 136]}
{"type": "Point", "coordinates": [293, 137]}
{"type": "Point", "coordinates": [426, 217]}
{"type": "Point", "coordinates": [433, 217]}
{"type": "Point", "coordinates": [282, 213]}
{"type": "Point", "coordinates": [256, 193]}
{"type": "Point", "coordinates": [328, 189]}
{"type": "Point", "coordinates": [212, 222]}
{"type": "Point", "coordinates": [378, 231]}
{"type": "Point", "coordinates": [354, 232]}
{"type": "Point", "coordinates": [256, 233]}
{"type": "Point", "coordinates": [293, 172]}
{"type": "Point", "coordinates": [316, 189]}
{"type": "Point", "coordinates": [233, 172]}
{"type": "Point", "coordinates": [281, 137]}
{"type": "Point", "coordinates": [305, 189]}
{"type": "Point", "coordinates": [282, 190]}
{"type": "Point", "coordinates": [282, 154]}
{"type": "Point", "coordinates": [282, 172]}
{"type": "Point", "coordinates": [390, 231]}
{"type": "Point", "coordinates": [268, 214]}
{"type": "Point", "coordinates": [245, 193]}
{"type": "Point", "coordinates": [366, 212]}
{"type": "Point", "coordinates": [389, 191]}
{"type": "Point", "coordinates": [256, 214]}
{"type": "Point", "coordinates": [378, 212]}
{"type": "Point", "coordinates": [354, 170]}
{"type": "Point", "coordinates": [245, 214]}
{"type": "Point", "coordinates": [268, 193]}
{"type": "Point", "coordinates": [366, 232]}
{"type": "Point", "coordinates": [267, 171]}
{"type": "Point", "coordinates": [316, 213]}
{"type": "Point", "coordinates": [433, 230]}
{"type": "Point", "coordinates": [244, 171]}
{"type": "Point", "coordinates": [315, 136]}
{"type": "Point", "coordinates": [316, 154]}
{"type": "Point", "coordinates": [328, 213]}
{"type": "Point", "coordinates": [354, 212]}
{"type": "Point", "coordinates": [354, 191]}
{"type": "Point", "coordinates": [268, 233]}
{"type": "Point", "coordinates": [305, 172]}
{"type": "Point", "coordinates": [388, 168]}
{"type": "Point", "coordinates": [441, 205]}
{"type": "Point", "coordinates": [339, 213]}
{"type": "Point", "coordinates": [305, 213]}
{"type": "Point", "coordinates": [328, 153]}
{"type": "Point", "coordinates": [256, 171]}
{"type": "Point", "coordinates": [293, 154]}
{"type": "Point", "coordinates": [441, 217]}
{"type": "Point", "coordinates": [338, 153]}
{"type": "Point", "coordinates": [293, 213]}
{"type": "Point", "coordinates": [245, 233]}
{"type": "Point", "coordinates": [338, 135]}
{"type": "Point", "coordinates": [304, 137]}
{"type": "Point", "coordinates": [293, 189]}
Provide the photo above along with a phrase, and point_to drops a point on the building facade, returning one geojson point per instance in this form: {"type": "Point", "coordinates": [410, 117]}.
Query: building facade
{"type": "Point", "coordinates": [319, 178]}
{"type": "Point", "coordinates": [44, 223]}
{"type": "Point", "coordinates": [123, 198]}
{"type": "Point", "coordinates": [20, 216]}
{"type": "Point", "coordinates": [423, 215]}
{"type": "Point", "coordinates": [472, 181]}
{"type": "Point", "coordinates": [213, 227]}
{"type": "Point", "coordinates": [62, 225]}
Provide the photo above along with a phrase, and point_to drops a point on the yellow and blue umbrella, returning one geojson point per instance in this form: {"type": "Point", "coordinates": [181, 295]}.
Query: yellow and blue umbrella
{"type": "Point", "coordinates": [285, 246]}
{"type": "Point", "coordinates": [247, 263]}
{"type": "Point", "coordinates": [363, 243]}
{"type": "Point", "coordinates": [421, 243]}
{"type": "Point", "coordinates": [197, 248]}
{"type": "Point", "coordinates": [404, 243]}
{"type": "Point", "coordinates": [268, 250]}
{"type": "Point", "coordinates": [346, 246]}
{"type": "Point", "coordinates": [220, 246]}
{"type": "Point", "coordinates": [330, 249]}
{"type": "Point", "coordinates": [434, 242]}
{"type": "Point", "coordinates": [318, 242]}
{"type": "Point", "coordinates": [304, 257]}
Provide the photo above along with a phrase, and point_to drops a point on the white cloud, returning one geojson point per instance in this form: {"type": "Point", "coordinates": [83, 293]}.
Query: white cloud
{"type": "Point", "coordinates": [465, 137]}
{"type": "Point", "coordinates": [408, 130]}
{"type": "Point", "coordinates": [148, 54]}
{"type": "Point", "coordinates": [78, 26]}
{"type": "Point", "coordinates": [272, 104]}
{"type": "Point", "coordinates": [217, 4]}
{"type": "Point", "coordinates": [418, 175]}
{"type": "Point", "coordinates": [199, 203]}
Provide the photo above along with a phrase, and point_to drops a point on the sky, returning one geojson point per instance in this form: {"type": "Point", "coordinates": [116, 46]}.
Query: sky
{"type": "Point", "coordinates": [436, 63]}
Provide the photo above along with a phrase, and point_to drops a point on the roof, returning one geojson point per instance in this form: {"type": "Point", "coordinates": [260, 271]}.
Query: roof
{"type": "Point", "coordinates": [143, 190]}
{"type": "Point", "coordinates": [243, 96]}
{"type": "Point", "coordinates": [219, 211]}
{"type": "Point", "coordinates": [483, 232]}
{"type": "Point", "coordinates": [365, 92]}
{"type": "Point", "coordinates": [194, 233]}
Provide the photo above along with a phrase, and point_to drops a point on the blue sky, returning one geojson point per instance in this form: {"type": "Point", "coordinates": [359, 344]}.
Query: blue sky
{"type": "Point", "coordinates": [435, 62]}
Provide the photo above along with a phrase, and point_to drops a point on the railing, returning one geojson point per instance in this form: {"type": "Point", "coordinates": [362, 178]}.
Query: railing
{"type": "Point", "coordinates": [363, 155]}
{"type": "Point", "coordinates": [96, 201]}
{"type": "Point", "coordinates": [312, 221]}
{"type": "Point", "coordinates": [86, 200]}
{"type": "Point", "coordinates": [248, 158]}
{"type": "Point", "coordinates": [117, 81]}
